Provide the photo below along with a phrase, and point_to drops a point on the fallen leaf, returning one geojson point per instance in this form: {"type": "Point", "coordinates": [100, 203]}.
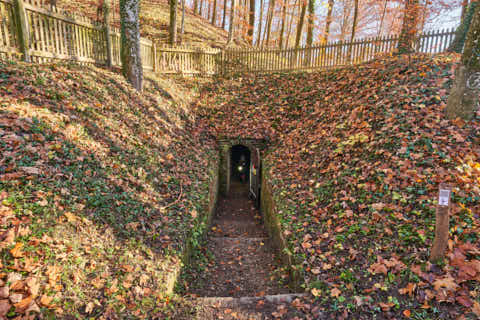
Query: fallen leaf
{"type": "Point", "coordinates": [446, 283]}
{"type": "Point", "coordinates": [4, 307]}
{"type": "Point", "coordinates": [17, 250]}
{"type": "Point", "coordinates": [46, 301]}
{"type": "Point", "coordinates": [23, 305]}
{"type": "Point", "coordinates": [335, 292]}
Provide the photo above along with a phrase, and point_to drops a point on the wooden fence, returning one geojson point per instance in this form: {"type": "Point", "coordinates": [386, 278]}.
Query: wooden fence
{"type": "Point", "coordinates": [38, 33]}
{"type": "Point", "coordinates": [35, 32]}
{"type": "Point", "coordinates": [187, 60]}
{"type": "Point", "coordinates": [334, 54]}
{"type": "Point", "coordinates": [331, 55]}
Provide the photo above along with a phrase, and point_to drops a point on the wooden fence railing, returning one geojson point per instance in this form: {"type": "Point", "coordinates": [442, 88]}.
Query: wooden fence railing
{"type": "Point", "coordinates": [39, 33]}
{"type": "Point", "coordinates": [331, 55]}
{"type": "Point", "coordinates": [187, 60]}
{"type": "Point", "coordinates": [31, 30]}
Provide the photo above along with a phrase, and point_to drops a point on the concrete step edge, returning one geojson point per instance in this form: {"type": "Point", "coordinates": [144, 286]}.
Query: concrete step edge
{"type": "Point", "coordinates": [237, 239]}
{"type": "Point", "coordinates": [231, 301]}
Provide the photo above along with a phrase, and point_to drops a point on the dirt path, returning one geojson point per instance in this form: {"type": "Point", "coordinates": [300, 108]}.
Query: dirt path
{"type": "Point", "coordinates": [237, 268]}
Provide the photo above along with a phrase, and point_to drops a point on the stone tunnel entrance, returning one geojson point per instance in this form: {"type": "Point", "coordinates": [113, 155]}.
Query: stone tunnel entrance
{"type": "Point", "coordinates": [240, 162]}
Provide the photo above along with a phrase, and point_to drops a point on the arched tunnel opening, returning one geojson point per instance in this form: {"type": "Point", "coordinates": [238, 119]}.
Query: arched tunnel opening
{"type": "Point", "coordinates": [240, 164]}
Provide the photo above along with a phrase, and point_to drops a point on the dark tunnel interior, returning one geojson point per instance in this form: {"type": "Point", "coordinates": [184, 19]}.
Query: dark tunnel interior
{"type": "Point", "coordinates": [240, 163]}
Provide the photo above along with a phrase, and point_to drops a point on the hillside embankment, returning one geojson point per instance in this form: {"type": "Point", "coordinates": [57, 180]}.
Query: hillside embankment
{"type": "Point", "coordinates": [355, 161]}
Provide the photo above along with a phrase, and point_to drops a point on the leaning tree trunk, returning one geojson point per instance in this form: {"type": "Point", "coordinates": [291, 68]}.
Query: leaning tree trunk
{"type": "Point", "coordinates": [463, 99]}
{"type": "Point", "coordinates": [326, 33]}
{"type": "Point", "coordinates": [354, 29]}
{"type": "Point", "coordinates": [462, 30]}
{"type": "Point", "coordinates": [382, 19]}
{"type": "Point", "coordinates": [301, 22]}
{"type": "Point", "coordinates": [130, 38]}
{"type": "Point", "coordinates": [271, 10]}
{"type": "Point", "coordinates": [408, 34]}
{"type": "Point", "coordinates": [290, 24]}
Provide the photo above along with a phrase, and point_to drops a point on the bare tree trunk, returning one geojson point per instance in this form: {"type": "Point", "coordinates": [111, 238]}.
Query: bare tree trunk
{"type": "Point", "coordinates": [382, 19]}
{"type": "Point", "coordinates": [195, 6]}
{"type": "Point", "coordinates": [409, 27]}
{"type": "Point", "coordinates": [284, 18]}
{"type": "Point", "coordinates": [354, 28]}
{"type": "Point", "coordinates": [244, 14]}
{"type": "Point", "coordinates": [326, 33]}
{"type": "Point", "coordinates": [182, 27]}
{"type": "Point", "coordinates": [251, 23]}
{"type": "Point", "coordinates": [172, 37]}
{"type": "Point", "coordinates": [462, 30]}
{"type": "Point", "coordinates": [224, 14]}
{"type": "Point", "coordinates": [130, 38]}
{"type": "Point", "coordinates": [347, 7]}
{"type": "Point", "coordinates": [200, 10]}
{"type": "Point", "coordinates": [311, 22]}
{"type": "Point", "coordinates": [290, 25]}
{"type": "Point", "coordinates": [231, 22]}
{"type": "Point", "coordinates": [260, 22]}
{"type": "Point", "coordinates": [271, 10]}
{"type": "Point", "coordinates": [464, 9]}
{"type": "Point", "coordinates": [214, 15]}
{"type": "Point", "coordinates": [301, 22]}
{"type": "Point", "coordinates": [463, 100]}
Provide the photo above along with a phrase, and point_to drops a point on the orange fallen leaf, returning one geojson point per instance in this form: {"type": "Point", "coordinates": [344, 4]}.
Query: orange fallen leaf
{"type": "Point", "coordinates": [46, 301]}
{"type": "Point", "coordinates": [22, 305]}
{"type": "Point", "coordinates": [476, 308]}
{"type": "Point", "coordinates": [407, 313]}
{"type": "Point", "coordinates": [17, 250]}
{"type": "Point", "coordinates": [335, 292]}
{"type": "Point", "coordinates": [447, 283]}
{"type": "Point", "coordinates": [316, 292]}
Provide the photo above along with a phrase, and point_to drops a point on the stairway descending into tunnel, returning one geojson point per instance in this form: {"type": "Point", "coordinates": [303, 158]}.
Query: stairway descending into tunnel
{"type": "Point", "coordinates": [241, 278]}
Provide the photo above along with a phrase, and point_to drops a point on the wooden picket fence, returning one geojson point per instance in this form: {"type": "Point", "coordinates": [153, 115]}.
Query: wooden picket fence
{"type": "Point", "coordinates": [334, 54]}
{"type": "Point", "coordinates": [34, 31]}
{"type": "Point", "coordinates": [187, 60]}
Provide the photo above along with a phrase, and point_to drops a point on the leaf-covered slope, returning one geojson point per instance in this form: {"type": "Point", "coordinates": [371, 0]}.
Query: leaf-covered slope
{"type": "Point", "coordinates": [99, 188]}
{"type": "Point", "coordinates": [356, 160]}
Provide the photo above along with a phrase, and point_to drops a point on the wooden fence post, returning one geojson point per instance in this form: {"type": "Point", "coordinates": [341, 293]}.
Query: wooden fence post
{"type": "Point", "coordinates": [441, 224]}
{"type": "Point", "coordinates": [108, 38]}
{"type": "Point", "coordinates": [154, 57]}
{"type": "Point", "coordinates": [22, 29]}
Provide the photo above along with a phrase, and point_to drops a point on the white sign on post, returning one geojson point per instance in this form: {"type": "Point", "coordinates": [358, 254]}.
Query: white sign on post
{"type": "Point", "coordinates": [444, 197]}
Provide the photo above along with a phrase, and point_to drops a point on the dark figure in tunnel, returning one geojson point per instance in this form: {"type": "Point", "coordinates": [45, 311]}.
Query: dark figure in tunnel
{"type": "Point", "coordinates": [240, 163]}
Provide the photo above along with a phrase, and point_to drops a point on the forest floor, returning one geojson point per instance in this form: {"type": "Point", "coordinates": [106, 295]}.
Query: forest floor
{"type": "Point", "coordinates": [355, 161]}
{"type": "Point", "coordinates": [101, 186]}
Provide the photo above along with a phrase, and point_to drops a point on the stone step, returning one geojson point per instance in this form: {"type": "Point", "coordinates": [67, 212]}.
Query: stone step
{"type": "Point", "coordinates": [233, 302]}
{"type": "Point", "coordinates": [235, 239]}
